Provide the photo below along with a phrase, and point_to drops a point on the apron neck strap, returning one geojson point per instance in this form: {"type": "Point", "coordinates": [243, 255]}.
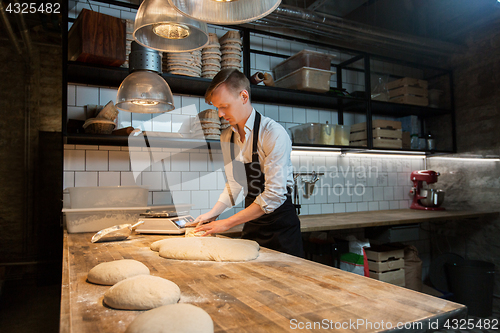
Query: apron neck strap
{"type": "Point", "coordinates": [256, 125]}
{"type": "Point", "coordinates": [255, 138]}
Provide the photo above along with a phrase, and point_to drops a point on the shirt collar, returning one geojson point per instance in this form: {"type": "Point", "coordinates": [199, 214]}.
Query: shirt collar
{"type": "Point", "coordinates": [249, 123]}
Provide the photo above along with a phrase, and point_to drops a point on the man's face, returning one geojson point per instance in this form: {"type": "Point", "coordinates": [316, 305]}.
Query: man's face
{"type": "Point", "coordinates": [229, 104]}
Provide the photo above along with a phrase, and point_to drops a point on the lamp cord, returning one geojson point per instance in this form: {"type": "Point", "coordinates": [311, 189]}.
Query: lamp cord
{"type": "Point", "coordinates": [90, 5]}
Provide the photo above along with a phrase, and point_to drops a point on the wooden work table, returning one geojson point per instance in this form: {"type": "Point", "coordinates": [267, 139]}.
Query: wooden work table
{"type": "Point", "coordinates": [274, 293]}
{"type": "Point", "coordinates": [324, 222]}
{"type": "Point", "coordinates": [384, 217]}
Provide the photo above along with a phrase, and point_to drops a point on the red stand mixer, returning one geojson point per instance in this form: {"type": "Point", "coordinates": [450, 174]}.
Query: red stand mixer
{"type": "Point", "coordinates": [424, 197]}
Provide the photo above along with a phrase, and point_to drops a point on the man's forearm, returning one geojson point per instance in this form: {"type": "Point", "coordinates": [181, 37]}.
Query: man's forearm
{"type": "Point", "coordinates": [218, 208]}
{"type": "Point", "coordinates": [248, 214]}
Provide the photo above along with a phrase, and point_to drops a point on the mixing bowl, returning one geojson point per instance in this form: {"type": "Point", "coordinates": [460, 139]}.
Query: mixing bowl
{"type": "Point", "coordinates": [434, 198]}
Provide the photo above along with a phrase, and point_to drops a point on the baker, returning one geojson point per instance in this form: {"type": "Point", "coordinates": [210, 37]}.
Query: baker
{"type": "Point", "coordinates": [256, 152]}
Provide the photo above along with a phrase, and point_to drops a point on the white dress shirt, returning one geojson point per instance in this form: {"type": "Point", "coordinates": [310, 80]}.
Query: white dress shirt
{"type": "Point", "coordinates": [274, 148]}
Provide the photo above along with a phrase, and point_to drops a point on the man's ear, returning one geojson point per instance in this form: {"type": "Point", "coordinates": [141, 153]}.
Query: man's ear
{"type": "Point", "coordinates": [244, 96]}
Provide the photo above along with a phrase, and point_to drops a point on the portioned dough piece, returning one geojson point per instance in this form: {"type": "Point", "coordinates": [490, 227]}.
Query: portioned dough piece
{"type": "Point", "coordinates": [178, 318]}
{"type": "Point", "coordinates": [209, 248]}
{"type": "Point", "coordinates": [190, 233]}
{"type": "Point", "coordinates": [155, 246]}
{"type": "Point", "coordinates": [109, 273]}
{"type": "Point", "coordinates": [142, 292]}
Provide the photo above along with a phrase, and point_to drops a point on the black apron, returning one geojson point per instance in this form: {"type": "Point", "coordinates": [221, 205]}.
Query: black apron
{"type": "Point", "coordinates": [278, 230]}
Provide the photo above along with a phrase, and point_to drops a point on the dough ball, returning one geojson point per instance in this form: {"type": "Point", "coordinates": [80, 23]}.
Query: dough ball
{"type": "Point", "coordinates": [178, 318]}
{"type": "Point", "coordinates": [109, 273]}
{"type": "Point", "coordinates": [190, 233]}
{"type": "Point", "coordinates": [209, 248]}
{"type": "Point", "coordinates": [142, 292]}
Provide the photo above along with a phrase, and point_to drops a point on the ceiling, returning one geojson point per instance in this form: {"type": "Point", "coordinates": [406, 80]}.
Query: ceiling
{"type": "Point", "coordinates": [417, 30]}
{"type": "Point", "coordinates": [446, 20]}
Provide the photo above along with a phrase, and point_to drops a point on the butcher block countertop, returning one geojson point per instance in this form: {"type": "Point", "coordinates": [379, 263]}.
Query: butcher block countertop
{"type": "Point", "coordinates": [323, 222]}
{"type": "Point", "coordinates": [274, 293]}
{"type": "Point", "coordinates": [383, 217]}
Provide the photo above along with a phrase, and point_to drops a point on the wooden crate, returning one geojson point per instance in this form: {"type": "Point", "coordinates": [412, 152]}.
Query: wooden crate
{"type": "Point", "coordinates": [396, 277]}
{"type": "Point", "coordinates": [386, 134]}
{"type": "Point", "coordinates": [407, 81]}
{"type": "Point", "coordinates": [384, 253]}
{"type": "Point", "coordinates": [97, 38]}
{"type": "Point", "coordinates": [409, 99]}
{"type": "Point", "coordinates": [388, 265]}
{"type": "Point", "coordinates": [408, 91]}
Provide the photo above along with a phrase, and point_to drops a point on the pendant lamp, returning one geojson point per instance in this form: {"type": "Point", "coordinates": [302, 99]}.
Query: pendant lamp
{"type": "Point", "coordinates": [160, 27]}
{"type": "Point", "coordinates": [144, 90]}
{"type": "Point", "coordinates": [225, 11]}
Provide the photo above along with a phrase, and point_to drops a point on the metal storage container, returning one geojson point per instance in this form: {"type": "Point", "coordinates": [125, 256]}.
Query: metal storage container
{"type": "Point", "coordinates": [314, 133]}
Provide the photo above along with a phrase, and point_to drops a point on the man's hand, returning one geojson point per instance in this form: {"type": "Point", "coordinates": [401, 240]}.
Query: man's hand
{"type": "Point", "coordinates": [207, 217]}
{"type": "Point", "coordinates": [214, 227]}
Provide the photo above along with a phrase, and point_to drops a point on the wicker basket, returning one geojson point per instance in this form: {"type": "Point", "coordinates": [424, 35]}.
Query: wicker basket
{"type": "Point", "coordinates": [108, 112]}
{"type": "Point", "coordinates": [209, 113]}
{"type": "Point", "coordinates": [212, 38]}
{"type": "Point", "coordinates": [99, 126]}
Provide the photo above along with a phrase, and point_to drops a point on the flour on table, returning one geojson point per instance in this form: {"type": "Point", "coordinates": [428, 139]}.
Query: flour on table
{"type": "Point", "coordinates": [142, 292]}
{"type": "Point", "coordinates": [179, 318]}
{"type": "Point", "coordinates": [207, 248]}
{"type": "Point", "coordinates": [109, 273]}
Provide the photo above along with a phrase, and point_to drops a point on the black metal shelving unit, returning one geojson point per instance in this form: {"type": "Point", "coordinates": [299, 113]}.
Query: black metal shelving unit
{"type": "Point", "coordinates": [83, 73]}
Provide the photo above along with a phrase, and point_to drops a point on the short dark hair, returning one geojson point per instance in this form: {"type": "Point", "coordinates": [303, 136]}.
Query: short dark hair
{"type": "Point", "coordinates": [234, 80]}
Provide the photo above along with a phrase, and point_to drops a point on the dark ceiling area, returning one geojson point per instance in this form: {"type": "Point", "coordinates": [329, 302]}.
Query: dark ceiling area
{"type": "Point", "coordinates": [446, 20]}
{"type": "Point", "coordinates": [423, 31]}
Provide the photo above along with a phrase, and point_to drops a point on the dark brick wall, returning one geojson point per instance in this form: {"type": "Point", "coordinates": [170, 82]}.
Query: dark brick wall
{"type": "Point", "coordinates": [30, 106]}
{"type": "Point", "coordinates": [13, 142]}
{"type": "Point", "coordinates": [475, 185]}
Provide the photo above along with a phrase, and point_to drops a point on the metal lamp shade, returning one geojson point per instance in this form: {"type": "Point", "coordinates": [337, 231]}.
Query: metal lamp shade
{"type": "Point", "coordinates": [225, 11]}
{"type": "Point", "coordinates": [144, 92]}
{"type": "Point", "coordinates": [160, 27]}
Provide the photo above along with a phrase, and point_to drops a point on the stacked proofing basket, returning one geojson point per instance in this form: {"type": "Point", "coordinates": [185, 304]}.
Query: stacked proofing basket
{"type": "Point", "coordinates": [230, 46]}
{"type": "Point", "coordinates": [211, 57]}
{"type": "Point", "coordinates": [183, 63]}
{"type": "Point", "coordinates": [210, 124]}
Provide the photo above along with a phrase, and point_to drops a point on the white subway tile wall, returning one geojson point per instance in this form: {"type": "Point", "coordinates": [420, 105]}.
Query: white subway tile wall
{"type": "Point", "coordinates": [348, 183]}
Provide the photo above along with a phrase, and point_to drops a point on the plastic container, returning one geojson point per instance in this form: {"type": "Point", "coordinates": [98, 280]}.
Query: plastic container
{"type": "Point", "coordinates": [306, 78]}
{"type": "Point", "coordinates": [108, 197]}
{"type": "Point", "coordinates": [313, 133]}
{"type": "Point", "coordinates": [304, 58]}
{"type": "Point", "coordinates": [95, 219]}
{"type": "Point", "coordinates": [471, 283]}
{"type": "Point", "coordinates": [342, 135]}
